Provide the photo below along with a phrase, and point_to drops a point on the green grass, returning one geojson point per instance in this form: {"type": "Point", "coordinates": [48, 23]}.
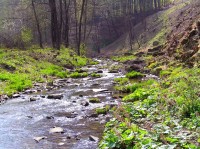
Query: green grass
{"type": "Point", "coordinates": [96, 75]}
{"type": "Point", "coordinates": [121, 81]}
{"type": "Point", "coordinates": [11, 83]}
{"type": "Point", "coordinates": [123, 58]}
{"type": "Point", "coordinates": [94, 100]}
{"type": "Point", "coordinates": [134, 75]}
{"type": "Point", "coordinates": [78, 75]}
{"type": "Point", "coordinates": [103, 110]}
{"type": "Point", "coordinates": [159, 114]}
{"type": "Point", "coordinates": [138, 94]}
{"type": "Point", "coordinates": [20, 69]}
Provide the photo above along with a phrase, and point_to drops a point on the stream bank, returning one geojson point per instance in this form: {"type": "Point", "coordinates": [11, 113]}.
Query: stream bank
{"type": "Point", "coordinates": [31, 120]}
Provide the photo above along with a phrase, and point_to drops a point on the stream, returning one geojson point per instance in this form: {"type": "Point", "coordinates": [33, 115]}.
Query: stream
{"type": "Point", "coordinates": [22, 120]}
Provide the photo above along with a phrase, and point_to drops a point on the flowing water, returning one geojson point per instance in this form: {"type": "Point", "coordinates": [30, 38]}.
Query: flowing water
{"type": "Point", "coordinates": [22, 120]}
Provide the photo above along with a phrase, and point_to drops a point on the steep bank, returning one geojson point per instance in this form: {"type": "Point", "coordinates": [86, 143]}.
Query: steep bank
{"type": "Point", "coordinates": [163, 111]}
{"type": "Point", "coordinates": [149, 33]}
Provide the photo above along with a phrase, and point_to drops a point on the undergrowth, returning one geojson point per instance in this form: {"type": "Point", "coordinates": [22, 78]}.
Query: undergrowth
{"type": "Point", "coordinates": [157, 114]}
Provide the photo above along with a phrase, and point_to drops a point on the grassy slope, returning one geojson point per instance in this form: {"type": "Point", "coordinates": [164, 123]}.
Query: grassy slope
{"type": "Point", "coordinates": [160, 114]}
{"type": "Point", "coordinates": [21, 69]}
{"type": "Point", "coordinates": [157, 114]}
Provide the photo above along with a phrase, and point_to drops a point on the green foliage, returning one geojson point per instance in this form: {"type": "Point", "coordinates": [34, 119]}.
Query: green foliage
{"type": "Point", "coordinates": [14, 82]}
{"type": "Point", "coordinates": [130, 88]}
{"type": "Point", "coordinates": [83, 49]}
{"type": "Point", "coordinates": [164, 114]}
{"type": "Point", "coordinates": [138, 94]}
{"type": "Point", "coordinates": [121, 81]}
{"type": "Point", "coordinates": [78, 75]}
{"type": "Point", "coordinates": [52, 70]}
{"type": "Point", "coordinates": [134, 74]}
{"type": "Point", "coordinates": [20, 69]}
{"type": "Point", "coordinates": [68, 57]}
{"type": "Point", "coordinates": [96, 75]}
{"type": "Point", "coordinates": [123, 58]}
{"type": "Point", "coordinates": [103, 110]}
{"type": "Point", "coordinates": [94, 100]}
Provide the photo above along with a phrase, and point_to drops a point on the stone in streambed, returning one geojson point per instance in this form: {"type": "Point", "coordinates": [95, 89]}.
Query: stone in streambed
{"type": "Point", "coordinates": [55, 96]}
{"type": "Point", "coordinates": [34, 99]}
{"type": "Point", "coordinates": [93, 138]}
{"type": "Point", "coordinates": [61, 144]}
{"type": "Point", "coordinates": [16, 96]}
{"type": "Point", "coordinates": [56, 130]}
{"type": "Point", "coordinates": [38, 139]}
{"type": "Point", "coordinates": [85, 103]}
{"type": "Point", "coordinates": [99, 71]}
{"type": "Point", "coordinates": [113, 71]}
{"type": "Point", "coordinates": [42, 96]}
{"type": "Point", "coordinates": [49, 117]}
{"type": "Point", "coordinates": [99, 90]}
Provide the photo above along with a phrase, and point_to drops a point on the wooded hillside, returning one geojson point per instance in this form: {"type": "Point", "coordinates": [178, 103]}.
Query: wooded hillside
{"type": "Point", "coordinates": [75, 23]}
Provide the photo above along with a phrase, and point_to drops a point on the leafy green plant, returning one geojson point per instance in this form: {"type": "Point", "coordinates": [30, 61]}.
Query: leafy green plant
{"type": "Point", "coordinates": [96, 75]}
{"type": "Point", "coordinates": [134, 74]}
{"type": "Point", "coordinates": [159, 111]}
{"type": "Point", "coordinates": [94, 100]}
{"type": "Point", "coordinates": [121, 81]}
{"type": "Point", "coordinates": [123, 58]}
{"type": "Point", "coordinates": [103, 110]}
{"type": "Point", "coordinates": [78, 75]}
{"type": "Point", "coordinates": [138, 94]}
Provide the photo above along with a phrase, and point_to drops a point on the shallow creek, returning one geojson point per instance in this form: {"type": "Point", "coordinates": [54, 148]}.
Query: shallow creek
{"type": "Point", "coordinates": [22, 120]}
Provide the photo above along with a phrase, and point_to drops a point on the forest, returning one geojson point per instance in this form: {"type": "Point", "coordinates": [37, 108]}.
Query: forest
{"type": "Point", "coordinates": [100, 74]}
{"type": "Point", "coordinates": [93, 23]}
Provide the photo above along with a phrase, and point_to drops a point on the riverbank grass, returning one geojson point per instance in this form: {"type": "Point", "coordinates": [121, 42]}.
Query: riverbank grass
{"type": "Point", "coordinates": [158, 114]}
{"type": "Point", "coordinates": [20, 69]}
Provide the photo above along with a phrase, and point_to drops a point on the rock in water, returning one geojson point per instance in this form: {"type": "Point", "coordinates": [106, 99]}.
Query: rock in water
{"type": "Point", "coordinates": [56, 130]}
{"type": "Point", "coordinates": [38, 139]}
{"type": "Point", "coordinates": [33, 99]}
{"type": "Point", "coordinates": [85, 103]}
{"type": "Point", "coordinates": [113, 71]}
{"type": "Point", "coordinates": [93, 138]}
{"type": "Point", "coordinates": [100, 71]}
{"type": "Point", "coordinates": [55, 96]}
{"type": "Point", "coordinates": [16, 96]}
{"type": "Point", "coordinates": [61, 144]}
{"type": "Point", "coordinates": [99, 90]}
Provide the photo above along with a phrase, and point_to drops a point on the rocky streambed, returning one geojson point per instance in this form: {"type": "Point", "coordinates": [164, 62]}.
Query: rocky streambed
{"type": "Point", "coordinates": [61, 118]}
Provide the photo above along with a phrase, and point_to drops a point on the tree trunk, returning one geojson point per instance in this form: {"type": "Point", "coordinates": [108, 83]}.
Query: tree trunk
{"type": "Point", "coordinates": [54, 25]}
{"type": "Point", "coordinates": [80, 27]}
{"type": "Point", "coordinates": [66, 27]}
{"type": "Point", "coordinates": [38, 25]}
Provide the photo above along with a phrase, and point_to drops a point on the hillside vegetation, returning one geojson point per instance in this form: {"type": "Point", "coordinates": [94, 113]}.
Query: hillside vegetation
{"type": "Point", "coordinates": [161, 111]}
{"type": "Point", "coordinates": [20, 69]}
